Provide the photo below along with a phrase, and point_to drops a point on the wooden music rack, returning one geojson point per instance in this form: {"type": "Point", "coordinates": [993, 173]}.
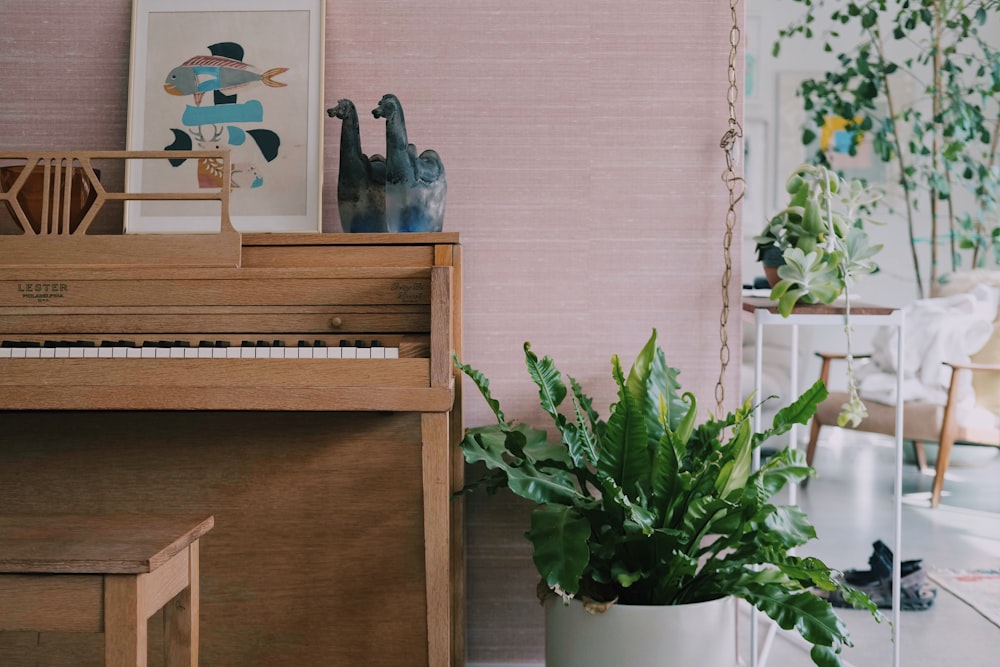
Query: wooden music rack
{"type": "Point", "coordinates": [59, 243]}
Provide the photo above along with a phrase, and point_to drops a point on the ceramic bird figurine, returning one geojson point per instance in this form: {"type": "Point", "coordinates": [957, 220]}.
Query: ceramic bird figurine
{"type": "Point", "coordinates": [361, 181]}
{"type": "Point", "coordinates": [415, 185]}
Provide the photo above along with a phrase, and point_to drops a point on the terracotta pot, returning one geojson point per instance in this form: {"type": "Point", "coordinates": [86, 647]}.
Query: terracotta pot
{"type": "Point", "coordinates": [701, 634]}
{"type": "Point", "coordinates": [30, 196]}
{"type": "Point", "coordinates": [771, 273]}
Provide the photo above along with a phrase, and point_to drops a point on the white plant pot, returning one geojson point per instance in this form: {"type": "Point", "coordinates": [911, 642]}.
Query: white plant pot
{"type": "Point", "coordinates": [702, 634]}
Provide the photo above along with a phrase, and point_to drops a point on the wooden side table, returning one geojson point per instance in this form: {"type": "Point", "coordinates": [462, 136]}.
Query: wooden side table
{"type": "Point", "coordinates": [111, 574]}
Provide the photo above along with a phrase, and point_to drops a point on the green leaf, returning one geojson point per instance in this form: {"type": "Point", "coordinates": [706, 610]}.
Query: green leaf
{"type": "Point", "coordinates": [559, 535]}
{"type": "Point", "coordinates": [551, 390]}
{"type": "Point", "coordinates": [624, 455]}
{"type": "Point", "coordinates": [483, 384]}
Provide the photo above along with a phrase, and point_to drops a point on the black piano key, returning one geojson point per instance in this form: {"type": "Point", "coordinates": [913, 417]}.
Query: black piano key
{"type": "Point", "coordinates": [149, 343]}
{"type": "Point", "coordinates": [182, 343]}
{"type": "Point", "coordinates": [247, 343]}
{"type": "Point", "coordinates": [344, 343]}
{"type": "Point", "coordinates": [263, 343]}
{"type": "Point", "coordinates": [125, 343]}
{"type": "Point", "coordinates": [107, 343]}
{"type": "Point", "coordinates": [221, 343]}
{"type": "Point", "coordinates": [376, 343]}
{"type": "Point", "coordinates": [278, 343]}
{"type": "Point", "coordinates": [360, 343]}
{"type": "Point", "coordinates": [84, 343]}
{"type": "Point", "coordinates": [206, 343]}
{"type": "Point", "coordinates": [319, 343]}
{"type": "Point", "coordinates": [304, 343]}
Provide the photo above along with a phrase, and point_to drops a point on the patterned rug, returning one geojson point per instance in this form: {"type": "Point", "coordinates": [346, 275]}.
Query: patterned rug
{"type": "Point", "coordinates": [980, 589]}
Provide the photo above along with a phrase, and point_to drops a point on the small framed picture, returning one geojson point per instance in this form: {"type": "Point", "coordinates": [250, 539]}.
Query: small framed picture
{"type": "Point", "coordinates": [243, 75]}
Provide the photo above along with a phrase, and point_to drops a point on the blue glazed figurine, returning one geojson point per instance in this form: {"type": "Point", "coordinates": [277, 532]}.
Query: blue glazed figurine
{"type": "Point", "coordinates": [361, 182]}
{"type": "Point", "coordinates": [415, 185]}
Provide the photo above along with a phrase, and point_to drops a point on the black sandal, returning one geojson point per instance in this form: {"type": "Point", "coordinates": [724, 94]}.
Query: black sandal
{"type": "Point", "coordinates": [915, 591]}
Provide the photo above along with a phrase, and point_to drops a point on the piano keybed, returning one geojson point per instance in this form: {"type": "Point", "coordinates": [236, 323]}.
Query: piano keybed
{"type": "Point", "coordinates": [215, 348]}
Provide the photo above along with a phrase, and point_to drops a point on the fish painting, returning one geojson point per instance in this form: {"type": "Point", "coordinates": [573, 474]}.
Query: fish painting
{"type": "Point", "coordinates": [208, 74]}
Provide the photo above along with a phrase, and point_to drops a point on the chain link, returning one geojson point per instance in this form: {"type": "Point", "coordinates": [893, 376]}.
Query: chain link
{"type": "Point", "coordinates": [731, 142]}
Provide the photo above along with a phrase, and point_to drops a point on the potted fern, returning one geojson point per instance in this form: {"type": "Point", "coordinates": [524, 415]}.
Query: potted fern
{"type": "Point", "coordinates": [651, 509]}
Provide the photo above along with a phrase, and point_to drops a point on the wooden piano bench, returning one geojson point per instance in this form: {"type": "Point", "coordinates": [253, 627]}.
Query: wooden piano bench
{"type": "Point", "coordinates": [87, 573]}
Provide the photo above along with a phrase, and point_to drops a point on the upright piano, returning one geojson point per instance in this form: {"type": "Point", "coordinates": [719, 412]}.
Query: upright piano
{"type": "Point", "coordinates": [297, 386]}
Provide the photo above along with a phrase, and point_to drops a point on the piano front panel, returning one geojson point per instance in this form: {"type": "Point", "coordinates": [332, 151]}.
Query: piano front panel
{"type": "Point", "coordinates": [317, 557]}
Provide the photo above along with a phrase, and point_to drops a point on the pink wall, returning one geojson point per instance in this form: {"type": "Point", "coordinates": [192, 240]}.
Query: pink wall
{"type": "Point", "coordinates": [581, 142]}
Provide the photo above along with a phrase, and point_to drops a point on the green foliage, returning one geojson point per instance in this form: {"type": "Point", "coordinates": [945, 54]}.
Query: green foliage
{"type": "Point", "coordinates": [932, 111]}
{"type": "Point", "coordinates": [653, 507]}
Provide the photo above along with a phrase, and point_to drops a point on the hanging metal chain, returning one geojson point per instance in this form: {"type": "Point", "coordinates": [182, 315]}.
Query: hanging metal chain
{"type": "Point", "coordinates": [735, 184]}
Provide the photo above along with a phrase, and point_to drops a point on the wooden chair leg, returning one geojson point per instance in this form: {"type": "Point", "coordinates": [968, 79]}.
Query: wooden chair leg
{"type": "Point", "coordinates": [813, 439]}
{"type": "Point", "coordinates": [921, 454]}
{"type": "Point", "coordinates": [947, 439]}
{"type": "Point", "coordinates": [824, 375]}
{"type": "Point", "coordinates": [181, 619]}
{"type": "Point", "coordinates": [124, 624]}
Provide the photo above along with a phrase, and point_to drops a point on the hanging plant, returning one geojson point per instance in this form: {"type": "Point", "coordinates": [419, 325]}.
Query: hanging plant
{"type": "Point", "coordinates": [824, 249]}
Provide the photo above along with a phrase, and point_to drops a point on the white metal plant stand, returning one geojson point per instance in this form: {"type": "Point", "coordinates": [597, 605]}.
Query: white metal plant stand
{"type": "Point", "coordinates": [764, 312]}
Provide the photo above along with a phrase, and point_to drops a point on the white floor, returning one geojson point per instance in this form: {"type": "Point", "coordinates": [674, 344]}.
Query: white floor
{"type": "Point", "coordinates": [851, 505]}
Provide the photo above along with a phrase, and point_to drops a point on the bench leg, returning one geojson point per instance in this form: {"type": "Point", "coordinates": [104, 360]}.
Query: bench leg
{"type": "Point", "coordinates": [124, 624]}
{"type": "Point", "coordinates": [180, 619]}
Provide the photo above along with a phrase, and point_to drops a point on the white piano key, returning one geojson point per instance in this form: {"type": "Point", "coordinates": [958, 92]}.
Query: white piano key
{"type": "Point", "coordinates": [90, 352]}
{"type": "Point", "coordinates": [33, 353]}
{"type": "Point", "coordinates": [6, 352]}
{"type": "Point", "coordinates": [334, 353]}
{"type": "Point", "coordinates": [378, 352]}
{"type": "Point", "coordinates": [133, 352]}
{"type": "Point", "coordinates": [392, 353]}
{"type": "Point", "coordinates": [192, 352]}
{"type": "Point", "coordinates": [348, 353]}
{"type": "Point", "coordinates": [205, 352]}
{"type": "Point", "coordinates": [247, 352]}
{"type": "Point", "coordinates": [219, 352]}
{"type": "Point", "coordinates": [175, 352]}
{"type": "Point", "coordinates": [105, 352]}
{"type": "Point", "coordinates": [320, 352]}
{"type": "Point", "coordinates": [147, 352]}
{"type": "Point", "coordinates": [17, 352]}
{"type": "Point", "coordinates": [48, 352]}
{"type": "Point", "coordinates": [305, 353]}
{"type": "Point", "coordinates": [364, 352]}
{"type": "Point", "coordinates": [262, 352]}
{"type": "Point", "coordinates": [61, 353]}
{"type": "Point", "coordinates": [161, 352]}
{"type": "Point", "coordinates": [277, 353]}
{"type": "Point", "coordinates": [291, 352]}
{"type": "Point", "coordinates": [233, 352]}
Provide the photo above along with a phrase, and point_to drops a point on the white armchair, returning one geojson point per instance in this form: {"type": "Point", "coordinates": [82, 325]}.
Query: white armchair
{"type": "Point", "coordinates": [959, 405]}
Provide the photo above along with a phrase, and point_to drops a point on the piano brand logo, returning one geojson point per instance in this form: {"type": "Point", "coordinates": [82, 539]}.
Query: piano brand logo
{"type": "Point", "coordinates": [409, 292]}
{"type": "Point", "coordinates": [42, 291]}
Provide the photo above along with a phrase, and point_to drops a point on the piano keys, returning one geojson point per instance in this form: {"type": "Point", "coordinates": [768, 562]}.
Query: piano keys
{"type": "Point", "coordinates": [182, 349]}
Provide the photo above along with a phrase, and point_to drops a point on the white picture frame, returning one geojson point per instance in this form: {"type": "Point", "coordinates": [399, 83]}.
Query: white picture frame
{"type": "Point", "coordinates": [240, 74]}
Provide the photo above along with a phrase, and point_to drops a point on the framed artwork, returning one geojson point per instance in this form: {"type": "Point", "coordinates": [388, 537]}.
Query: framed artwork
{"type": "Point", "coordinates": [246, 75]}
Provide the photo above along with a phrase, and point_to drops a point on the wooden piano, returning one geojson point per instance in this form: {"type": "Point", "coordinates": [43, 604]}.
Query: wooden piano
{"type": "Point", "coordinates": [297, 386]}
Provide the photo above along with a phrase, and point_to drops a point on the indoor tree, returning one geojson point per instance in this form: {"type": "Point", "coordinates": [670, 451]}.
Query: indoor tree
{"type": "Point", "coordinates": [933, 112]}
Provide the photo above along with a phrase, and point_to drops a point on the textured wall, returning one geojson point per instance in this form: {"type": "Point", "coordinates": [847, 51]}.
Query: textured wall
{"type": "Point", "coordinates": [581, 141]}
